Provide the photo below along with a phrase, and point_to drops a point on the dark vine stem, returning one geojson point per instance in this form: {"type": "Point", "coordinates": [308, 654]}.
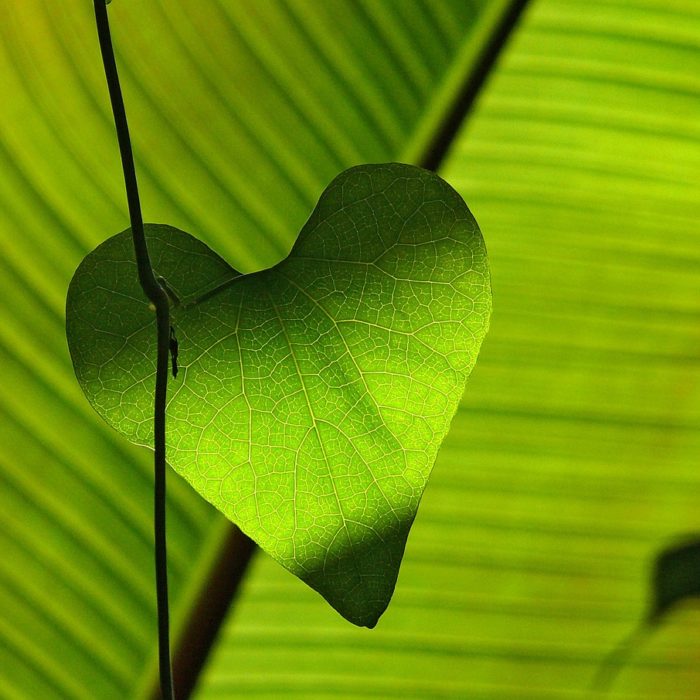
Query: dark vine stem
{"type": "Point", "coordinates": [159, 298]}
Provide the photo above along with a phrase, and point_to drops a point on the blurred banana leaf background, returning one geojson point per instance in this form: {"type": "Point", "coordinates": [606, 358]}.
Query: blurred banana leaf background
{"type": "Point", "coordinates": [575, 455]}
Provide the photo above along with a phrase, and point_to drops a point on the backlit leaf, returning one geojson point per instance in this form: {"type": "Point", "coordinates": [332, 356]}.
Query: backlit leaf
{"type": "Point", "coordinates": [313, 395]}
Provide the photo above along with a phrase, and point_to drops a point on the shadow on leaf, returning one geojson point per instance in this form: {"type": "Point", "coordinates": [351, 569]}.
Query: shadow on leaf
{"type": "Point", "coordinates": [675, 579]}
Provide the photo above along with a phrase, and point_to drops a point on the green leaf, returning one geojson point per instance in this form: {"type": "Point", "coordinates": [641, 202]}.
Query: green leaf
{"type": "Point", "coordinates": [314, 395]}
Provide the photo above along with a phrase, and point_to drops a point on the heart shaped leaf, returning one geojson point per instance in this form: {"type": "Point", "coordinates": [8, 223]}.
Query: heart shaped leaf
{"type": "Point", "coordinates": [312, 396]}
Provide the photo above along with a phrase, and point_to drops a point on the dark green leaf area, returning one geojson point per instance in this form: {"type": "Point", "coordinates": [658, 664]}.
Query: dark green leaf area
{"type": "Point", "coordinates": [676, 577]}
{"type": "Point", "coordinates": [312, 396]}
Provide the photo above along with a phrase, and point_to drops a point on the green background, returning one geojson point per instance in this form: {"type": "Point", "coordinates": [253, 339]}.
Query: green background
{"type": "Point", "coordinates": [573, 457]}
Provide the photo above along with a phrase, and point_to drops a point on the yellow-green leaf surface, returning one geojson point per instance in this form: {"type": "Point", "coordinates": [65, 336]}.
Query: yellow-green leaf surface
{"type": "Point", "coordinates": [575, 456]}
{"type": "Point", "coordinates": [241, 113]}
{"type": "Point", "coordinates": [313, 395]}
